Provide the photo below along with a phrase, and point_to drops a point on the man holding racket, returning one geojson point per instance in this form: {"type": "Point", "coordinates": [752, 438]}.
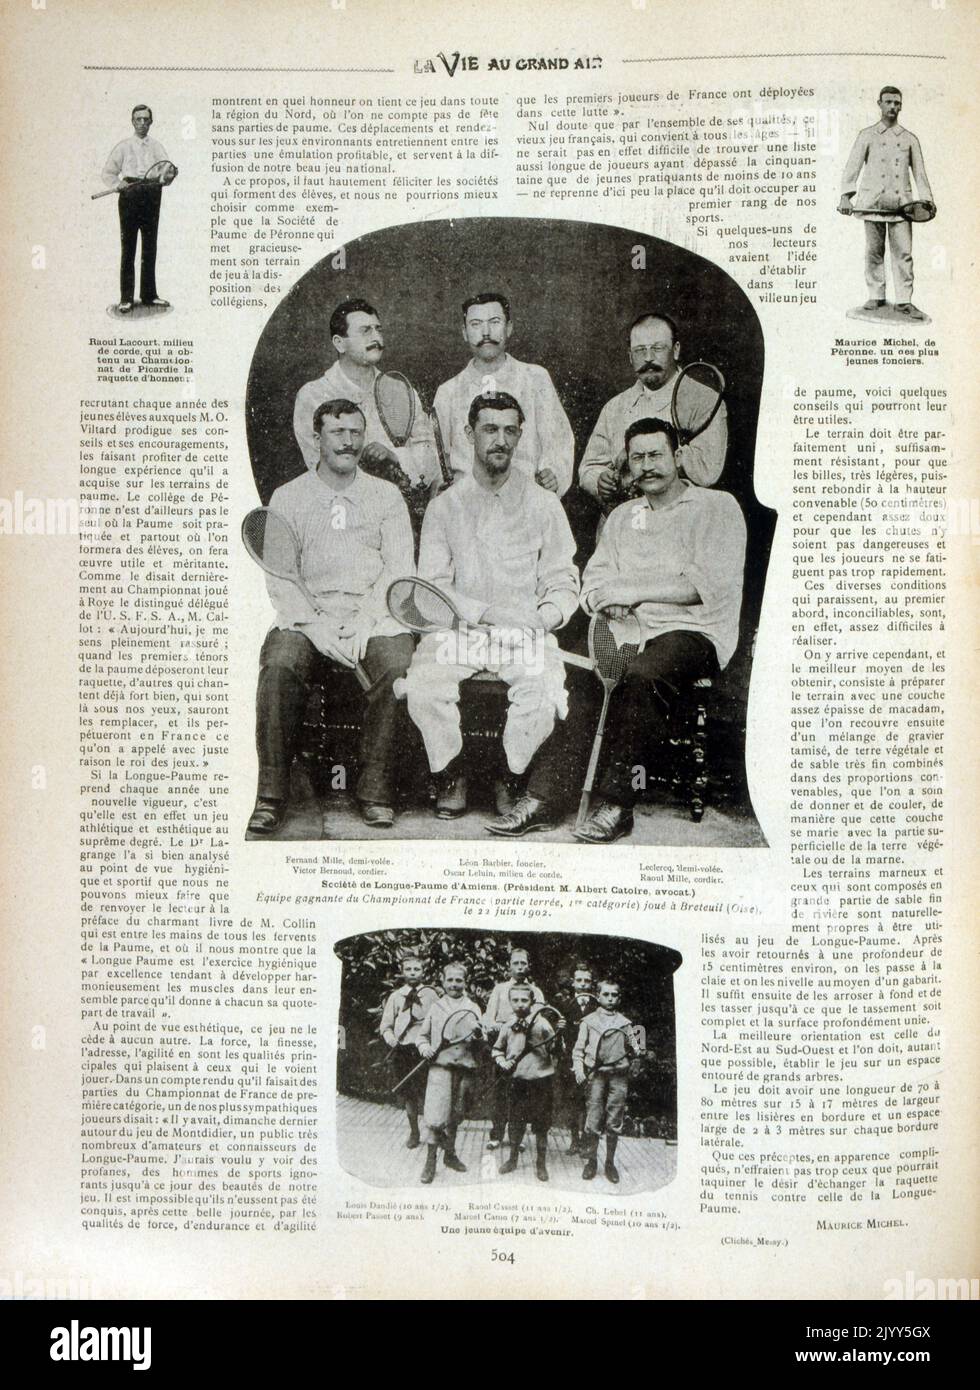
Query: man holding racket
{"type": "Point", "coordinates": [139, 209]}
{"type": "Point", "coordinates": [875, 188]}
{"type": "Point", "coordinates": [501, 547]}
{"type": "Point", "coordinates": [546, 450]}
{"type": "Point", "coordinates": [667, 574]}
{"type": "Point", "coordinates": [357, 338]}
{"type": "Point", "coordinates": [601, 1060]}
{"type": "Point", "coordinates": [654, 352]}
{"type": "Point", "coordinates": [354, 538]}
{"type": "Point", "coordinates": [447, 1039]}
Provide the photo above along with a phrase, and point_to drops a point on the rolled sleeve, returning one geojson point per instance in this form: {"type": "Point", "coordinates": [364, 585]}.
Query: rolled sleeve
{"type": "Point", "coordinates": [718, 560]}
{"type": "Point", "coordinates": [558, 581]}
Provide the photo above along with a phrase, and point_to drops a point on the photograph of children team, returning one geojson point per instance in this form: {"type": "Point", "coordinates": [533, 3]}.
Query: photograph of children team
{"type": "Point", "coordinates": [491, 499]}
{"type": "Point", "coordinates": [466, 1057]}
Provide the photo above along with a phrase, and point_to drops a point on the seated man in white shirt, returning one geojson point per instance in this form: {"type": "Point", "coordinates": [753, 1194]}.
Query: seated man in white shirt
{"type": "Point", "coordinates": [654, 352]}
{"type": "Point", "coordinates": [501, 547]}
{"type": "Point", "coordinates": [355, 538]}
{"type": "Point", "coordinates": [547, 445]}
{"type": "Point", "coordinates": [667, 573]}
{"type": "Point", "coordinates": [358, 340]}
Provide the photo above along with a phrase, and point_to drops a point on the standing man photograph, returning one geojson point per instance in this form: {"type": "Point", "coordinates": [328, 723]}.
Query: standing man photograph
{"type": "Point", "coordinates": [883, 157]}
{"type": "Point", "coordinates": [139, 210]}
{"type": "Point", "coordinates": [546, 450]}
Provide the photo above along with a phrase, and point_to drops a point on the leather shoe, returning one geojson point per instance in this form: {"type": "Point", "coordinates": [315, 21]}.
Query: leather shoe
{"type": "Point", "coordinates": [158, 303]}
{"type": "Point", "coordinates": [266, 815]}
{"type": "Point", "coordinates": [611, 1171]}
{"type": "Point", "coordinates": [505, 795]}
{"type": "Point", "coordinates": [590, 1169]}
{"type": "Point", "coordinates": [376, 816]}
{"type": "Point", "coordinates": [456, 1164]}
{"type": "Point", "coordinates": [528, 814]}
{"type": "Point", "coordinates": [451, 797]}
{"type": "Point", "coordinates": [125, 307]}
{"type": "Point", "coordinates": [872, 304]}
{"type": "Point", "coordinates": [909, 311]}
{"type": "Point", "coordinates": [608, 822]}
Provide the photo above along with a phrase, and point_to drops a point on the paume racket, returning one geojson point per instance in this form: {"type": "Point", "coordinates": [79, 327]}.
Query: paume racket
{"type": "Point", "coordinates": [611, 1050]}
{"type": "Point", "coordinates": [395, 400]}
{"type": "Point", "coordinates": [555, 1019]}
{"type": "Point", "coordinates": [697, 397]}
{"type": "Point", "coordinates": [609, 662]}
{"type": "Point", "coordinates": [403, 1022]}
{"type": "Point", "coordinates": [161, 173]}
{"type": "Point", "coordinates": [422, 607]}
{"type": "Point", "coordinates": [459, 1027]}
{"type": "Point", "coordinates": [273, 545]}
{"type": "Point", "coordinates": [919, 210]}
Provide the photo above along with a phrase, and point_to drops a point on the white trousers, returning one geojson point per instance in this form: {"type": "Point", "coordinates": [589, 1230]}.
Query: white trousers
{"type": "Point", "coordinates": [528, 663]}
{"type": "Point", "coordinates": [900, 245]}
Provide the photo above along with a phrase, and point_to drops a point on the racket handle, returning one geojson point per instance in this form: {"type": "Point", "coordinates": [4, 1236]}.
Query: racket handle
{"type": "Point", "coordinates": [583, 806]}
{"type": "Point", "coordinates": [573, 659]}
{"type": "Point", "coordinates": [106, 192]}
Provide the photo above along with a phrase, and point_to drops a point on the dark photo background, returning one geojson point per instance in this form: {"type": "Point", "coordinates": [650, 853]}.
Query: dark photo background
{"type": "Point", "coordinates": [573, 291]}
{"type": "Point", "coordinates": [644, 971]}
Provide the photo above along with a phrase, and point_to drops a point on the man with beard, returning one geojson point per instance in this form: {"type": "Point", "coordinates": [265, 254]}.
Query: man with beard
{"type": "Point", "coordinates": [667, 575]}
{"type": "Point", "coordinates": [547, 446]}
{"type": "Point", "coordinates": [500, 546]}
{"type": "Point", "coordinates": [654, 351]}
{"type": "Point", "coordinates": [355, 538]}
{"type": "Point", "coordinates": [357, 339]}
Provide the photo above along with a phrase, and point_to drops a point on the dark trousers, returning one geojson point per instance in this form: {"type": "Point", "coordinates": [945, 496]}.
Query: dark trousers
{"type": "Point", "coordinates": [290, 665]}
{"type": "Point", "coordinates": [636, 723]}
{"type": "Point", "coordinates": [139, 216]}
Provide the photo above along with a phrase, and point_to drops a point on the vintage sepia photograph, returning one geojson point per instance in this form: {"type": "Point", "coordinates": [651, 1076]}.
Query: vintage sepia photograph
{"type": "Point", "coordinates": [509, 598]}
{"type": "Point", "coordinates": [470, 1057]}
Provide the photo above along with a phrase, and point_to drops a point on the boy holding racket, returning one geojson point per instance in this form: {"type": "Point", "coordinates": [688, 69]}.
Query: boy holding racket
{"type": "Point", "coordinates": [139, 209]}
{"type": "Point", "coordinates": [524, 1052]}
{"type": "Point", "coordinates": [499, 1011]}
{"type": "Point", "coordinates": [601, 1059]}
{"type": "Point", "coordinates": [447, 1038]}
{"type": "Point", "coordinates": [405, 1009]}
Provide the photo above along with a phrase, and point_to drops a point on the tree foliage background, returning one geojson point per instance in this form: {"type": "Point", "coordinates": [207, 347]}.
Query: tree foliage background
{"type": "Point", "coordinates": [372, 969]}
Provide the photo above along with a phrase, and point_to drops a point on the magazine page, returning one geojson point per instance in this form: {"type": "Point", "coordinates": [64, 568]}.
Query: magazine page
{"type": "Point", "coordinates": [489, 534]}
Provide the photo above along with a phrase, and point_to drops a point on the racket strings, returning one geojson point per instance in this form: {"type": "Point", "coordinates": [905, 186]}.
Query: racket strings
{"type": "Point", "coordinates": [395, 399]}
{"type": "Point", "coordinates": [697, 398]}
{"type": "Point", "coordinates": [270, 541]}
{"type": "Point", "coordinates": [610, 660]}
{"type": "Point", "coordinates": [417, 606]}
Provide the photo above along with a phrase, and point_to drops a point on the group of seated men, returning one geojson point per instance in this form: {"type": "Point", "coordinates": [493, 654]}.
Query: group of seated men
{"type": "Point", "coordinates": [666, 573]}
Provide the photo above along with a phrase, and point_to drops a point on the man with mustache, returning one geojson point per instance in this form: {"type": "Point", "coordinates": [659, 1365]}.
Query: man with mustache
{"type": "Point", "coordinates": [139, 210]}
{"type": "Point", "coordinates": [355, 331]}
{"type": "Point", "coordinates": [502, 548]}
{"type": "Point", "coordinates": [355, 537]}
{"type": "Point", "coordinates": [547, 446]}
{"type": "Point", "coordinates": [667, 574]}
{"type": "Point", "coordinates": [654, 351]}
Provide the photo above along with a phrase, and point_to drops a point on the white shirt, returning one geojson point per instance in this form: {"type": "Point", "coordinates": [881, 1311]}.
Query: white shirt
{"type": "Point", "coordinates": [546, 440]}
{"type": "Point", "coordinates": [702, 460]}
{"type": "Point", "coordinates": [131, 158]}
{"type": "Point", "coordinates": [881, 159]}
{"type": "Point", "coordinates": [509, 547]}
{"type": "Point", "coordinates": [352, 545]}
{"type": "Point", "coordinates": [701, 538]}
{"type": "Point", "coordinates": [418, 457]}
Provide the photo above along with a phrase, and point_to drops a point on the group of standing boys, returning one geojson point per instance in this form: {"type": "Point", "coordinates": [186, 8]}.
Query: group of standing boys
{"type": "Point", "coordinates": [528, 1061]}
